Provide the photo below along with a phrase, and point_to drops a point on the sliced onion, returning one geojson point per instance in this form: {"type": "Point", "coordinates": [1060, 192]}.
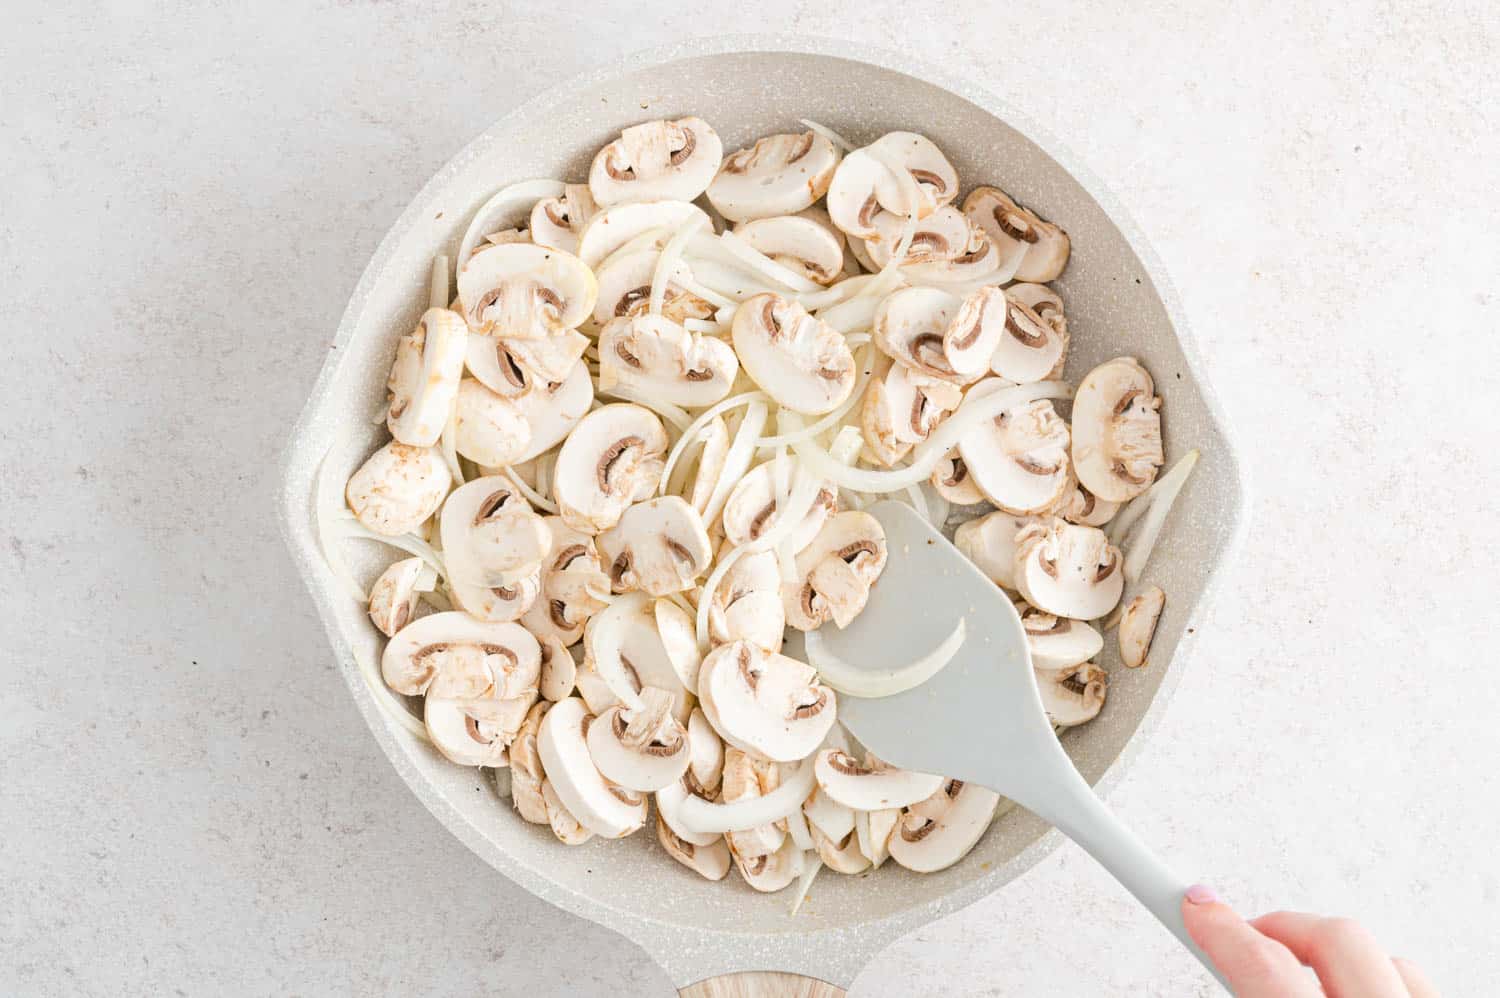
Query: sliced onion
{"type": "Point", "coordinates": [841, 143]}
{"type": "Point", "coordinates": [729, 280]}
{"type": "Point", "coordinates": [706, 598]}
{"type": "Point", "coordinates": [328, 508]}
{"type": "Point", "coordinates": [748, 256]}
{"type": "Point", "coordinates": [487, 218]}
{"type": "Point", "coordinates": [348, 526]}
{"type": "Point", "coordinates": [1159, 501]}
{"type": "Point", "coordinates": [437, 282]}
{"type": "Point", "coordinates": [851, 680]}
{"type": "Point", "coordinates": [666, 410]}
{"type": "Point", "coordinates": [696, 428]}
{"type": "Point", "coordinates": [691, 286]}
{"type": "Point", "coordinates": [737, 459]}
{"type": "Point", "coordinates": [670, 257]}
{"type": "Point", "coordinates": [809, 873]}
{"type": "Point", "coordinates": [840, 291]}
{"type": "Point", "coordinates": [704, 818]}
{"type": "Point", "coordinates": [448, 444]}
{"type": "Point", "coordinates": [654, 238]}
{"type": "Point", "coordinates": [701, 326]}
{"type": "Point", "coordinates": [532, 495]}
{"type": "Point", "coordinates": [796, 830]}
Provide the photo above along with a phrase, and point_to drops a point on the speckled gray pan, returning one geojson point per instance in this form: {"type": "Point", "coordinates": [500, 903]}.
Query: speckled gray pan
{"type": "Point", "coordinates": [1118, 302]}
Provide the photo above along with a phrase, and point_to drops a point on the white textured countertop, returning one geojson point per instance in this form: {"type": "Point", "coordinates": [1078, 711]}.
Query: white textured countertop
{"type": "Point", "coordinates": [190, 803]}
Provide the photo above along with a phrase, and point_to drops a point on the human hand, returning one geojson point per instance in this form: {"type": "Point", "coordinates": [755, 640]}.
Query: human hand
{"type": "Point", "coordinates": [1265, 957]}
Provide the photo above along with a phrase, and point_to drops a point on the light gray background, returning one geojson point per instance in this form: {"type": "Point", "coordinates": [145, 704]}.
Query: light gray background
{"type": "Point", "coordinates": [188, 192]}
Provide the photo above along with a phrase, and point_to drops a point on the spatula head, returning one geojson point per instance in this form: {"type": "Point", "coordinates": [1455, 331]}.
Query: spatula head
{"type": "Point", "coordinates": [981, 715]}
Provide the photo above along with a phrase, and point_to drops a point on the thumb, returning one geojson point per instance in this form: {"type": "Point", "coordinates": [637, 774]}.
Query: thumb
{"type": "Point", "coordinates": [1255, 965]}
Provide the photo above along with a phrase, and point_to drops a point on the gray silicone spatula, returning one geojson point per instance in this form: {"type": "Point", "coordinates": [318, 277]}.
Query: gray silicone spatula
{"type": "Point", "coordinates": [980, 719]}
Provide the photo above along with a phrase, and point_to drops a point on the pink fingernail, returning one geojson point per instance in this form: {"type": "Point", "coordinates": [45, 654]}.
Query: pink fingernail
{"type": "Point", "coordinates": [1201, 894]}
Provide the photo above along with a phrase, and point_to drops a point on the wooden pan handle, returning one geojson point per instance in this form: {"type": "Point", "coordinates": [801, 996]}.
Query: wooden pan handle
{"type": "Point", "coordinates": [762, 984]}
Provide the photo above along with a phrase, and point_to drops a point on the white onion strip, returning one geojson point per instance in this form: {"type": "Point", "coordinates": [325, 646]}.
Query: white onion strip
{"type": "Point", "coordinates": [532, 495]}
{"type": "Point", "coordinates": [804, 884]}
{"type": "Point", "coordinates": [704, 818]}
{"type": "Point", "coordinates": [737, 459]}
{"type": "Point", "coordinates": [348, 526]}
{"type": "Point", "coordinates": [666, 410]}
{"type": "Point", "coordinates": [852, 680]}
{"type": "Point", "coordinates": [1159, 501]}
{"type": "Point", "coordinates": [841, 143]}
{"type": "Point", "coordinates": [487, 218]}
{"type": "Point", "coordinates": [670, 257]}
{"type": "Point", "coordinates": [746, 255]}
{"type": "Point", "coordinates": [448, 444]}
{"type": "Point", "coordinates": [328, 505]}
{"type": "Point", "coordinates": [700, 326]}
{"type": "Point", "coordinates": [437, 282]}
{"type": "Point", "coordinates": [696, 427]}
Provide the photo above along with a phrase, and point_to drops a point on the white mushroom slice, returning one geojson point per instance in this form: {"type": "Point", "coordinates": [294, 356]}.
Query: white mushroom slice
{"type": "Point", "coordinates": [902, 407]}
{"type": "Point", "coordinates": [910, 325]}
{"type": "Point", "coordinates": [657, 160]}
{"type": "Point", "coordinates": [970, 340]}
{"type": "Point", "coordinates": [975, 258]}
{"type": "Point", "coordinates": [612, 458]}
{"type": "Point", "coordinates": [932, 838]}
{"type": "Point", "coordinates": [953, 482]}
{"type": "Point", "coordinates": [706, 464]}
{"type": "Point", "coordinates": [492, 361]}
{"type": "Point", "coordinates": [669, 805]}
{"type": "Point", "coordinates": [1083, 507]}
{"type": "Point", "coordinates": [853, 201]}
{"type": "Point", "coordinates": [802, 244]}
{"type": "Point", "coordinates": [774, 872]}
{"type": "Point", "coordinates": [424, 377]}
{"type": "Point", "coordinates": [1042, 247]}
{"type": "Point", "coordinates": [625, 289]}
{"type": "Point", "coordinates": [705, 751]}
{"type": "Point", "coordinates": [475, 732]}
{"type": "Point", "coordinates": [864, 185]}
{"type": "Point", "coordinates": [611, 228]}
{"type": "Point", "coordinates": [710, 862]}
{"type": "Point", "coordinates": [778, 175]}
{"type": "Point", "coordinates": [873, 785]}
{"type": "Point", "coordinates": [861, 255]}
{"type": "Point", "coordinates": [1019, 459]}
{"type": "Point", "coordinates": [1058, 642]}
{"type": "Point", "coordinates": [1138, 626]}
{"type": "Point", "coordinates": [622, 643]}
{"type": "Point", "coordinates": [800, 362]}
{"type": "Point", "coordinates": [751, 508]}
{"type": "Point", "coordinates": [397, 488]}
{"type": "Point", "coordinates": [559, 672]}
{"type": "Point", "coordinates": [394, 596]}
{"type": "Point", "coordinates": [1068, 570]}
{"type": "Point", "coordinates": [503, 603]}
{"type": "Point", "coordinates": [943, 236]}
{"type": "Point", "coordinates": [644, 749]}
{"type": "Point", "coordinates": [454, 656]}
{"type": "Point", "coordinates": [873, 830]}
{"type": "Point", "coordinates": [606, 810]}
{"type": "Point", "coordinates": [556, 222]}
{"type": "Point", "coordinates": [765, 703]}
{"type": "Point", "coordinates": [491, 535]}
{"type": "Point", "coordinates": [679, 638]}
{"type": "Point", "coordinates": [659, 546]}
{"type": "Point", "coordinates": [835, 572]}
{"type": "Point", "coordinates": [1028, 349]}
{"type": "Point", "coordinates": [569, 578]}
{"type": "Point", "coordinates": [552, 410]}
{"type": "Point", "coordinates": [522, 291]}
{"type": "Point", "coordinates": [1045, 302]}
{"type": "Point", "coordinates": [526, 773]}
{"type": "Point", "coordinates": [746, 778]}
{"type": "Point", "coordinates": [843, 856]}
{"type": "Point", "coordinates": [747, 603]}
{"type": "Point", "coordinates": [1117, 430]}
{"type": "Point", "coordinates": [568, 829]}
{"type": "Point", "coordinates": [657, 357]}
{"type": "Point", "coordinates": [990, 543]}
{"type": "Point", "coordinates": [549, 359]}
{"type": "Point", "coordinates": [827, 815]}
{"type": "Point", "coordinates": [1073, 696]}
{"type": "Point", "coordinates": [489, 429]}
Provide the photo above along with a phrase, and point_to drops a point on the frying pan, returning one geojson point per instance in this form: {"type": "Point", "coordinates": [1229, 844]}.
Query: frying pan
{"type": "Point", "coordinates": [1118, 303]}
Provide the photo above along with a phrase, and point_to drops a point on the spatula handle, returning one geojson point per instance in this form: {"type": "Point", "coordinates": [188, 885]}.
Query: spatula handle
{"type": "Point", "coordinates": [762, 984]}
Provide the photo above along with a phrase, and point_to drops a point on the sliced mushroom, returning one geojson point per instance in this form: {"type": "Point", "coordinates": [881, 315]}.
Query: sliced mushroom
{"type": "Point", "coordinates": [559, 671]}
{"type": "Point", "coordinates": [495, 365]}
{"type": "Point", "coordinates": [491, 535]}
{"type": "Point", "coordinates": [746, 778]}
{"type": "Point", "coordinates": [1085, 508]}
{"type": "Point", "coordinates": [1028, 349]}
{"type": "Point", "coordinates": [489, 429]}
{"type": "Point", "coordinates": [771, 873]}
{"type": "Point", "coordinates": [800, 243]}
{"type": "Point", "coordinates": [1019, 459]}
{"type": "Point", "coordinates": [475, 732]}
{"type": "Point", "coordinates": [989, 542]}
{"type": "Point", "coordinates": [835, 572]}
{"type": "Point", "coordinates": [658, 546]}
{"type": "Point", "coordinates": [778, 175]}
{"type": "Point", "coordinates": [641, 749]}
{"type": "Point", "coordinates": [751, 508]}
{"type": "Point", "coordinates": [827, 815]}
{"type": "Point", "coordinates": [1042, 248]}
{"type": "Point", "coordinates": [522, 291]}
{"type": "Point", "coordinates": [901, 408]}
{"type": "Point", "coordinates": [424, 378]}
{"type": "Point", "coordinates": [556, 222]}
{"type": "Point", "coordinates": [1068, 570]}
{"type": "Point", "coordinates": [570, 578]}
{"type": "Point", "coordinates": [1138, 626]}
{"type": "Point", "coordinates": [1073, 696]}
{"type": "Point", "coordinates": [612, 458]}
{"type": "Point", "coordinates": [549, 359]}
{"type": "Point", "coordinates": [607, 810]}
{"type": "Point", "coordinates": [970, 340]}
{"type": "Point", "coordinates": [1058, 642]}
{"type": "Point", "coordinates": [710, 862]}
{"type": "Point", "coordinates": [800, 362]}
{"type": "Point", "coordinates": [397, 488]}
{"type": "Point", "coordinates": [658, 357]}
{"type": "Point", "coordinates": [657, 160]}
{"type": "Point", "coordinates": [526, 773]}
{"type": "Point", "coordinates": [871, 785]}
{"type": "Point", "coordinates": [746, 605]}
{"type": "Point", "coordinates": [705, 751]}
{"type": "Point", "coordinates": [953, 482]}
{"type": "Point", "coordinates": [624, 648]}
{"type": "Point", "coordinates": [669, 801]}
{"type": "Point", "coordinates": [765, 703]}
{"type": "Point", "coordinates": [944, 236]}
{"type": "Point", "coordinates": [625, 289]}
{"type": "Point", "coordinates": [452, 655]}
{"type": "Point", "coordinates": [552, 410]}
{"type": "Point", "coordinates": [1117, 430]}
{"type": "Point", "coordinates": [1048, 305]}
{"type": "Point", "coordinates": [611, 228]}
{"type": "Point", "coordinates": [679, 638]}
{"type": "Point", "coordinates": [940, 831]}
{"type": "Point", "coordinates": [568, 829]}
{"type": "Point", "coordinates": [873, 831]}
{"type": "Point", "coordinates": [865, 184]}
{"type": "Point", "coordinates": [503, 603]}
{"type": "Point", "coordinates": [394, 596]}
{"type": "Point", "coordinates": [910, 327]}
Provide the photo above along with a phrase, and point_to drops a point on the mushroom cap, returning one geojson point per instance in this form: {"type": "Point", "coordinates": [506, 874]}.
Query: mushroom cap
{"type": "Point", "coordinates": [705, 751]}
{"type": "Point", "coordinates": [872, 785]}
{"type": "Point", "coordinates": [1068, 570]}
{"type": "Point", "coordinates": [943, 241]}
{"type": "Point", "coordinates": [496, 365]}
{"type": "Point", "coordinates": [953, 482]}
{"type": "Point", "coordinates": [800, 362]}
{"type": "Point", "coordinates": [549, 359]}
{"type": "Point", "coordinates": [1059, 642]}
{"type": "Point", "coordinates": [657, 160]}
{"type": "Point", "coordinates": [778, 175]}
{"type": "Point", "coordinates": [772, 872]}
{"type": "Point", "coordinates": [655, 355]}
{"type": "Point", "coordinates": [747, 603]}
{"type": "Point", "coordinates": [1084, 507]}
{"type": "Point", "coordinates": [765, 703]}
{"type": "Point", "coordinates": [625, 288]}
{"type": "Point", "coordinates": [1045, 302]}
{"type": "Point", "coordinates": [708, 861]}
{"type": "Point", "coordinates": [552, 410]}
{"type": "Point", "coordinates": [524, 291]}
{"type": "Point", "coordinates": [990, 542]}
{"type": "Point", "coordinates": [559, 673]}
{"type": "Point", "coordinates": [424, 377]}
{"type": "Point", "coordinates": [745, 778]}
{"type": "Point", "coordinates": [843, 856]}
{"type": "Point", "coordinates": [394, 596]}
{"type": "Point", "coordinates": [864, 185]}
{"type": "Point", "coordinates": [568, 579]}
{"type": "Point", "coordinates": [612, 458]}
{"type": "Point", "coordinates": [608, 811]}
{"type": "Point", "coordinates": [970, 340]}
{"type": "Point", "coordinates": [624, 649]}
{"type": "Point", "coordinates": [491, 536]}
{"type": "Point", "coordinates": [835, 571]}
{"type": "Point", "coordinates": [1138, 626]}
{"type": "Point", "coordinates": [1073, 696]}
{"type": "Point", "coordinates": [397, 488]}
{"type": "Point", "coordinates": [1028, 348]}
{"type": "Point", "coordinates": [568, 829]}
{"type": "Point", "coordinates": [1019, 459]}
{"type": "Point", "coordinates": [497, 604]}
{"type": "Point", "coordinates": [489, 429]}
{"type": "Point", "coordinates": [526, 773]}
{"type": "Point", "coordinates": [475, 732]}
{"type": "Point", "coordinates": [940, 831]}
{"type": "Point", "coordinates": [659, 546]}
{"type": "Point", "coordinates": [453, 655]}
{"type": "Point", "coordinates": [643, 749]}
{"type": "Point", "coordinates": [611, 228]}
{"type": "Point", "coordinates": [556, 222]}
{"type": "Point", "coordinates": [1117, 430]}
{"type": "Point", "coordinates": [798, 242]}
{"type": "Point", "coordinates": [910, 327]}
{"type": "Point", "coordinates": [901, 408]}
{"type": "Point", "coordinates": [751, 508]}
{"type": "Point", "coordinates": [1042, 248]}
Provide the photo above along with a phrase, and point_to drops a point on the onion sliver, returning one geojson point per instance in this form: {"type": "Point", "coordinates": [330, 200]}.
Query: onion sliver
{"type": "Point", "coordinates": [670, 257]}
{"type": "Point", "coordinates": [843, 144]}
{"type": "Point", "coordinates": [804, 883]}
{"type": "Point", "coordinates": [1162, 496]}
{"type": "Point", "coordinates": [748, 256]}
{"type": "Point", "coordinates": [696, 428]}
{"type": "Point", "coordinates": [666, 410]}
{"type": "Point", "coordinates": [328, 507]}
{"type": "Point", "coordinates": [701, 326]}
{"type": "Point", "coordinates": [437, 283]}
{"type": "Point", "coordinates": [699, 816]}
{"type": "Point", "coordinates": [448, 445]}
{"type": "Point", "coordinates": [487, 218]}
{"type": "Point", "coordinates": [348, 526]}
{"type": "Point", "coordinates": [851, 680]}
{"type": "Point", "coordinates": [737, 459]}
{"type": "Point", "coordinates": [532, 495]}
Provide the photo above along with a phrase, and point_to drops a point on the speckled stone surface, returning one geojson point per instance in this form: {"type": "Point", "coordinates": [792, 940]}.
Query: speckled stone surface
{"type": "Point", "coordinates": [191, 800]}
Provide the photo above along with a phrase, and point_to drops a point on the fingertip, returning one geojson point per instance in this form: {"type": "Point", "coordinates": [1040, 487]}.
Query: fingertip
{"type": "Point", "coordinates": [1199, 894]}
